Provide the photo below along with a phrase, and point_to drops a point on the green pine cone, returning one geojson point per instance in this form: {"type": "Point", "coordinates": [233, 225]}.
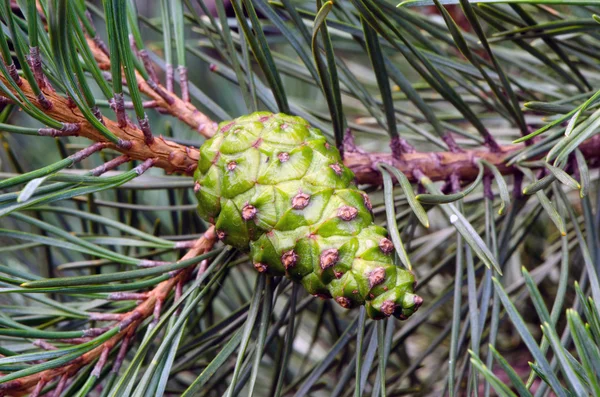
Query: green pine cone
{"type": "Point", "coordinates": [273, 186]}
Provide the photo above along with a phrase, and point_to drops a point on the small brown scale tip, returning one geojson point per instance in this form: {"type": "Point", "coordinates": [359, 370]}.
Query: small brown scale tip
{"type": "Point", "coordinates": [343, 302]}
{"type": "Point", "coordinates": [418, 301]}
{"type": "Point", "coordinates": [196, 187]}
{"type": "Point", "coordinates": [347, 213]}
{"type": "Point", "coordinates": [289, 259]}
{"type": "Point", "coordinates": [386, 246]}
{"type": "Point", "coordinates": [248, 212]}
{"type": "Point", "coordinates": [221, 235]}
{"type": "Point", "coordinates": [336, 168]}
{"type": "Point", "coordinates": [227, 127]}
{"type": "Point", "coordinates": [328, 258]}
{"type": "Point", "coordinates": [376, 276]}
{"type": "Point", "coordinates": [231, 166]}
{"type": "Point", "coordinates": [260, 267]}
{"type": "Point", "coordinates": [367, 202]}
{"type": "Point", "coordinates": [300, 201]}
{"type": "Point", "coordinates": [283, 157]}
{"type": "Point", "coordinates": [388, 307]}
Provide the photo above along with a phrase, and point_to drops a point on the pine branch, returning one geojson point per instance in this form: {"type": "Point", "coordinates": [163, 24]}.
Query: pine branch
{"type": "Point", "coordinates": [128, 322]}
{"type": "Point", "coordinates": [176, 158]}
{"type": "Point", "coordinates": [166, 100]}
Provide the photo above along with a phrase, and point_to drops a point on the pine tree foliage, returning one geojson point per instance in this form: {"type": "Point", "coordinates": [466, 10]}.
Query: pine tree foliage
{"type": "Point", "coordinates": [472, 125]}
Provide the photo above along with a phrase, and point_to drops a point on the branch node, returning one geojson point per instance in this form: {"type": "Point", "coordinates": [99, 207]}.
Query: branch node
{"type": "Point", "coordinates": [44, 102]}
{"type": "Point", "coordinates": [140, 169]}
{"type": "Point", "coordinates": [95, 316]}
{"type": "Point", "coordinates": [452, 146]}
{"type": "Point", "coordinates": [145, 127]}
{"type": "Point", "coordinates": [143, 54]}
{"type": "Point", "coordinates": [183, 82]}
{"type": "Point", "coordinates": [127, 296]}
{"type": "Point", "coordinates": [109, 165]}
{"type": "Point", "coordinates": [170, 76]}
{"type": "Point", "coordinates": [491, 143]}
{"type": "Point", "coordinates": [135, 315]}
{"type": "Point", "coordinates": [14, 74]}
{"type": "Point", "coordinates": [35, 62]}
{"type": "Point", "coordinates": [118, 106]}
{"type": "Point", "coordinates": [156, 312]}
{"type": "Point", "coordinates": [97, 114]}
{"type": "Point", "coordinates": [487, 187]}
{"type": "Point", "coordinates": [185, 244]}
{"type": "Point", "coordinates": [162, 93]}
{"type": "Point", "coordinates": [151, 263]}
{"type": "Point", "coordinates": [121, 355]}
{"type": "Point", "coordinates": [518, 185]}
{"type": "Point", "coordinates": [124, 145]}
{"type": "Point", "coordinates": [400, 146]}
{"type": "Point", "coordinates": [85, 153]}
{"type": "Point", "coordinates": [101, 363]}
{"type": "Point", "coordinates": [68, 129]}
{"type": "Point", "coordinates": [38, 388]}
{"type": "Point", "coordinates": [61, 385]}
{"type": "Point", "coordinates": [42, 344]}
{"type": "Point", "coordinates": [93, 332]}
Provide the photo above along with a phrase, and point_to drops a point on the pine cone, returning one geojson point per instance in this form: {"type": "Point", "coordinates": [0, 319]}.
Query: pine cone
{"type": "Point", "coordinates": [273, 186]}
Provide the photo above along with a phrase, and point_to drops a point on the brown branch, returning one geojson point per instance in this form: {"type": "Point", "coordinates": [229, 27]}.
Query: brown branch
{"type": "Point", "coordinates": [177, 158]}
{"type": "Point", "coordinates": [439, 166]}
{"type": "Point", "coordinates": [165, 100]}
{"type": "Point", "coordinates": [128, 323]}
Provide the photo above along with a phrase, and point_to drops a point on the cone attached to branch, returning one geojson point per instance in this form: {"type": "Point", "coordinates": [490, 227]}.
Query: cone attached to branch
{"type": "Point", "coordinates": [273, 186]}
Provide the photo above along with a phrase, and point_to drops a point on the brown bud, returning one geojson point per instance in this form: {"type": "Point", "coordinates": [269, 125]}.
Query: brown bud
{"type": "Point", "coordinates": [388, 307]}
{"type": "Point", "coordinates": [248, 212]}
{"type": "Point", "coordinates": [367, 202]}
{"type": "Point", "coordinates": [289, 259]}
{"type": "Point", "coordinates": [386, 246]}
{"type": "Point", "coordinates": [283, 157]}
{"type": "Point", "coordinates": [338, 275]}
{"type": "Point", "coordinates": [328, 258]}
{"type": "Point", "coordinates": [260, 267]}
{"type": "Point", "coordinates": [347, 213]}
{"type": "Point", "coordinates": [343, 302]}
{"type": "Point", "coordinates": [196, 187]}
{"type": "Point", "coordinates": [376, 276]}
{"type": "Point", "coordinates": [231, 166]}
{"type": "Point", "coordinates": [336, 168]}
{"type": "Point", "coordinates": [221, 234]}
{"type": "Point", "coordinates": [300, 201]}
